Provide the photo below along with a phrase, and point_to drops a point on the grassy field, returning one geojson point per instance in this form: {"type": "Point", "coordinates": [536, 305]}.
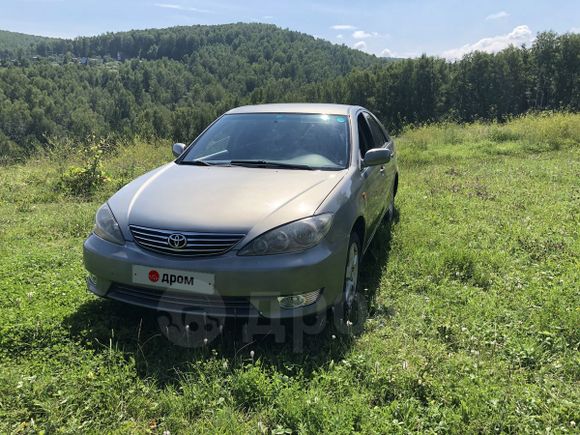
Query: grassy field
{"type": "Point", "coordinates": [473, 292]}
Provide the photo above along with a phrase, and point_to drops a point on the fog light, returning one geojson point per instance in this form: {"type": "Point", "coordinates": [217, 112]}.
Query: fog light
{"type": "Point", "coordinates": [93, 278]}
{"type": "Point", "coordinates": [297, 301]}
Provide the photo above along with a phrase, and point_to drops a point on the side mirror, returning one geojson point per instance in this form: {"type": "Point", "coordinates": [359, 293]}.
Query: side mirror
{"type": "Point", "coordinates": [377, 156]}
{"type": "Point", "coordinates": [177, 149]}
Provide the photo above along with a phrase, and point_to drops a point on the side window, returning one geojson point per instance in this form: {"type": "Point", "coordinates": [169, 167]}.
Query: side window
{"type": "Point", "coordinates": [365, 137]}
{"type": "Point", "coordinates": [386, 133]}
{"type": "Point", "coordinates": [378, 134]}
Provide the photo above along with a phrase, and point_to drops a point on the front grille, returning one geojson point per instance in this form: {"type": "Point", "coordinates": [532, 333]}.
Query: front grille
{"type": "Point", "coordinates": [198, 244]}
{"type": "Point", "coordinates": [182, 302]}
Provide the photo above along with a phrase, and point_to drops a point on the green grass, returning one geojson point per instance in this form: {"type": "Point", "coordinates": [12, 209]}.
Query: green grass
{"type": "Point", "coordinates": [474, 297]}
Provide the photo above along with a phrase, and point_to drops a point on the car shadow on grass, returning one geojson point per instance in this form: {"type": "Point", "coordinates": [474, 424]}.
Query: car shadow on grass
{"type": "Point", "coordinates": [374, 264]}
{"type": "Point", "coordinates": [138, 333]}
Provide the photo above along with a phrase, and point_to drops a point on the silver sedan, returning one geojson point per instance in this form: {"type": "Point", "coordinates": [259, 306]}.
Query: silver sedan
{"type": "Point", "coordinates": [267, 213]}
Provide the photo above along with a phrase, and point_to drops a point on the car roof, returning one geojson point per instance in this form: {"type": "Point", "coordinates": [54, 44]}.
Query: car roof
{"type": "Point", "coordinates": [330, 109]}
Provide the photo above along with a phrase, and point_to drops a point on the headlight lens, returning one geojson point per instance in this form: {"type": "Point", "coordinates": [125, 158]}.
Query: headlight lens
{"type": "Point", "coordinates": [293, 237]}
{"type": "Point", "coordinates": [106, 227]}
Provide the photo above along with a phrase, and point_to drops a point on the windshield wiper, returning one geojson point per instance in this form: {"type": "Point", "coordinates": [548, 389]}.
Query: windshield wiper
{"type": "Point", "coordinates": [269, 164]}
{"type": "Point", "coordinates": [197, 163]}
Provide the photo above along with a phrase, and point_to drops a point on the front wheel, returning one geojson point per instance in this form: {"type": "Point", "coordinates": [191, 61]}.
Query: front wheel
{"type": "Point", "coordinates": [351, 311]}
{"type": "Point", "coordinates": [351, 271]}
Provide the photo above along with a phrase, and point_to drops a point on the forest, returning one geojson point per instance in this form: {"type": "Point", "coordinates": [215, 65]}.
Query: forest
{"type": "Point", "coordinates": [170, 83]}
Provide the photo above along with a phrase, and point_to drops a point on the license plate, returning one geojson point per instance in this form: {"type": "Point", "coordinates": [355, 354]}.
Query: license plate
{"type": "Point", "coordinates": [174, 279]}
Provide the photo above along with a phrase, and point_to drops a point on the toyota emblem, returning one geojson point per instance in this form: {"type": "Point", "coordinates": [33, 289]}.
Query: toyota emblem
{"type": "Point", "coordinates": [177, 241]}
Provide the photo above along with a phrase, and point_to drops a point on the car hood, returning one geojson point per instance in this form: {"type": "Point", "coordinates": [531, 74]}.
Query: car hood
{"type": "Point", "coordinates": [220, 198]}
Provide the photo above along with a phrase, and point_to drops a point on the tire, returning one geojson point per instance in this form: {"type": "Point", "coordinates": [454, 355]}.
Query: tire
{"type": "Point", "coordinates": [351, 310]}
{"type": "Point", "coordinates": [390, 214]}
{"type": "Point", "coordinates": [351, 270]}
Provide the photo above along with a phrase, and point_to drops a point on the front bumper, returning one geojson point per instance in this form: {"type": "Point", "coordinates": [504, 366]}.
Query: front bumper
{"type": "Point", "coordinates": [245, 286]}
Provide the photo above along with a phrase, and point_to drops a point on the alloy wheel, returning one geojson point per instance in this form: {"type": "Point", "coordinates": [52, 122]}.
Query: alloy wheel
{"type": "Point", "coordinates": [351, 275]}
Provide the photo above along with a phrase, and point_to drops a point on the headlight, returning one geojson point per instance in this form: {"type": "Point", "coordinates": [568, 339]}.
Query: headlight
{"type": "Point", "coordinates": [106, 227]}
{"type": "Point", "coordinates": [293, 237]}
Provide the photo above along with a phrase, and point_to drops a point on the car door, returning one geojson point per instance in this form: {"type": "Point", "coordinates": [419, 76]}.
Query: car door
{"type": "Point", "coordinates": [381, 140]}
{"type": "Point", "coordinates": [372, 178]}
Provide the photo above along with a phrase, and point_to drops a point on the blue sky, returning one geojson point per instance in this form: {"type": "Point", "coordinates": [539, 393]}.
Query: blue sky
{"type": "Point", "coordinates": [402, 28]}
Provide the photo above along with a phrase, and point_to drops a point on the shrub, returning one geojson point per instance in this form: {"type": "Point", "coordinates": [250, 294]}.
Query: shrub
{"type": "Point", "coordinates": [84, 180]}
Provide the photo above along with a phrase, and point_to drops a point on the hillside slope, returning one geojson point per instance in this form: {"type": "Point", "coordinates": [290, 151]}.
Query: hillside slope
{"type": "Point", "coordinates": [473, 299]}
{"type": "Point", "coordinates": [170, 83]}
{"type": "Point", "coordinates": [158, 82]}
{"type": "Point", "coordinates": [227, 43]}
{"type": "Point", "coordinates": [13, 42]}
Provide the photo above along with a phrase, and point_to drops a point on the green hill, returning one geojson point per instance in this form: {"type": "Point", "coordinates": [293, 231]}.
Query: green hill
{"type": "Point", "coordinates": [170, 83]}
{"type": "Point", "coordinates": [12, 42]}
{"type": "Point", "coordinates": [253, 42]}
{"type": "Point", "coordinates": [158, 82]}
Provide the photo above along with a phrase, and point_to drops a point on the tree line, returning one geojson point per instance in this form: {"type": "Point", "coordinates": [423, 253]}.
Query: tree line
{"type": "Point", "coordinates": [171, 83]}
{"type": "Point", "coordinates": [545, 76]}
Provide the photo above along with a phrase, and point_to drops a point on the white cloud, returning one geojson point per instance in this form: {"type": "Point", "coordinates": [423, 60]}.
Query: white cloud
{"type": "Point", "coordinates": [520, 35]}
{"type": "Point", "coordinates": [343, 27]}
{"type": "Point", "coordinates": [387, 53]}
{"type": "Point", "coordinates": [498, 15]}
{"type": "Point", "coordinates": [168, 6]}
{"type": "Point", "coordinates": [341, 36]}
{"type": "Point", "coordinates": [575, 30]}
{"type": "Point", "coordinates": [181, 8]}
{"type": "Point", "coordinates": [361, 34]}
{"type": "Point", "coordinates": [360, 45]}
{"type": "Point", "coordinates": [381, 35]}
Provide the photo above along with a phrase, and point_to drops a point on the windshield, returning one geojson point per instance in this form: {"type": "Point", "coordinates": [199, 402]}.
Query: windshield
{"type": "Point", "coordinates": [281, 140]}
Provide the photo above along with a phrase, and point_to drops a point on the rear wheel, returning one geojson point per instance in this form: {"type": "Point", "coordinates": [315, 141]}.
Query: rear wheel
{"type": "Point", "coordinates": [391, 208]}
